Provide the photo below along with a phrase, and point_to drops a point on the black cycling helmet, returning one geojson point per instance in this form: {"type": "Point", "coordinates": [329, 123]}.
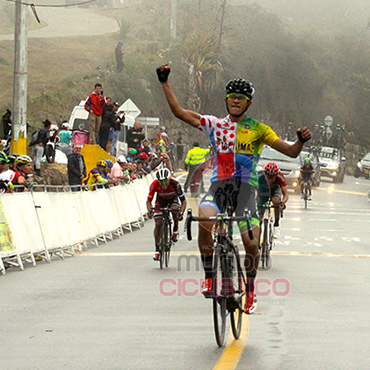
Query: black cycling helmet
{"type": "Point", "coordinates": [4, 157]}
{"type": "Point", "coordinates": [240, 86]}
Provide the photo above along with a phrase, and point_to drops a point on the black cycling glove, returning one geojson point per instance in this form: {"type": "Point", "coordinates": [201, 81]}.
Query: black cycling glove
{"type": "Point", "coordinates": [300, 137]}
{"type": "Point", "coordinates": [163, 75]}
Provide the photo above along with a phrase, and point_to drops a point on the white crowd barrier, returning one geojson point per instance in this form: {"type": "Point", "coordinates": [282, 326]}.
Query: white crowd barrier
{"type": "Point", "coordinates": [38, 225]}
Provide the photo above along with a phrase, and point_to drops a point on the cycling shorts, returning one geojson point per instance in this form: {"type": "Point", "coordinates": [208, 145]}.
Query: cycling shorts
{"type": "Point", "coordinates": [242, 197]}
{"type": "Point", "coordinates": [162, 203]}
{"type": "Point", "coordinates": [305, 178]}
{"type": "Point", "coordinates": [275, 190]}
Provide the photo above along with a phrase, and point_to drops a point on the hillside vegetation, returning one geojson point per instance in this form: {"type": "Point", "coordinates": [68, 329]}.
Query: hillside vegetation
{"type": "Point", "coordinates": [300, 77]}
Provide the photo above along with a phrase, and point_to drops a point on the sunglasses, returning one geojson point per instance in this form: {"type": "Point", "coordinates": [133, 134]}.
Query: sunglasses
{"type": "Point", "coordinates": [239, 97]}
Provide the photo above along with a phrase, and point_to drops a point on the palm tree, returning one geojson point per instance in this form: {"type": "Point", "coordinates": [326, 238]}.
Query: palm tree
{"type": "Point", "coordinates": [204, 66]}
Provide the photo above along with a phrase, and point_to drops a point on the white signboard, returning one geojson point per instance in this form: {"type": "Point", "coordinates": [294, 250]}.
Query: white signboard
{"type": "Point", "coordinates": [328, 120]}
{"type": "Point", "coordinates": [130, 108]}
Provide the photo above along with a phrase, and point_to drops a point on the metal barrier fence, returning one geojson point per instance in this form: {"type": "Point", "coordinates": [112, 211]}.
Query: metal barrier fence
{"type": "Point", "coordinates": [58, 220]}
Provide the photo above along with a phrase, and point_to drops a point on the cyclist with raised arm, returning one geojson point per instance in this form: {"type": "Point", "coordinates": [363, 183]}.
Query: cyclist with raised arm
{"type": "Point", "coordinates": [306, 175]}
{"type": "Point", "coordinates": [237, 141]}
{"type": "Point", "coordinates": [168, 192]}
{"type": "Point", "coordinates": [272, 185]}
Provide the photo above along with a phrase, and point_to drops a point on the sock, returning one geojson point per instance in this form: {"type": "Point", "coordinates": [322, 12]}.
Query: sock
{"type": "Point", "coordinates": [207, 265]}
{"type": "Point", "coordinates": [276, 223]}
{"type": "Point", "coordinates": [250, 282]}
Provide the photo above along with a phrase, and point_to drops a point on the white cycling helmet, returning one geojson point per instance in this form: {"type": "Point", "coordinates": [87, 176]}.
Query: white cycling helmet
{"type": "Point", "coordinates": [163, 174]}
{"type": "Point", "coordinates": [23, 159]}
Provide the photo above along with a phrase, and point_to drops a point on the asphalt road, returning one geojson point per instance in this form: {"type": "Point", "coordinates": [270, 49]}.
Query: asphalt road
{"type": "Point", "coordinates": [113, 308]}
{"type": "Point", "coordinates": [68, 22]}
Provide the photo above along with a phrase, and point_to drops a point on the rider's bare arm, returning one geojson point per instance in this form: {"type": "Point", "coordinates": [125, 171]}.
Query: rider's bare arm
{"type": "Point", "coordinates": [183, 206]}
{"type": "Point", "coordinates": [292, 150]}
{"type": "Point", "coordinates": [188, 116]}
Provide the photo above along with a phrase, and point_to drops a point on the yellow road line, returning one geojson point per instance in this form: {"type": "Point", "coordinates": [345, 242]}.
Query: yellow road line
{"type": "Point", "coordinates": [231, 355]}
{"type": "Point", "coordinates": [178, 253]}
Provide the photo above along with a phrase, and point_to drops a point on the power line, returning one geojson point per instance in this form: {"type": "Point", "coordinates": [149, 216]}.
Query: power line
{"type": "Point", "coordinates": [32, 5]}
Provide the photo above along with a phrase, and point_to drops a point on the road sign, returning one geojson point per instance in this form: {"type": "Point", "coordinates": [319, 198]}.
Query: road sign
{"type": "Point", "coordinates": [130, 108]}
{"type": "Point", "coordinates": [328, 120]}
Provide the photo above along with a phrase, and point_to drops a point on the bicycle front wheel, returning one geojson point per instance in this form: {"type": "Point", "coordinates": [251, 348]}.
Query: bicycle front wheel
{"type": "Point", "coordinates": [305, 196]}
{"type": "Point", "coordinates": [265, 245]}
{"type": "Point", "coordinates": [236, 315]}
{"type": "Point", "coordinates": [163, 245]}
{"type": "Point", "coordinates": [167, 251]}
{"type": "Point", "coordinates": [219, 301]}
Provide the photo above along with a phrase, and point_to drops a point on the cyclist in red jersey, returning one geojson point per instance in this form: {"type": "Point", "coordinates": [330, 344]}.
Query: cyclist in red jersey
{"type": "Point", "coordinates": [21, 176]}
{"type": "Point", "coordinates": [271, 183]}
{"type": "Point", "coordinates": [168, 192]}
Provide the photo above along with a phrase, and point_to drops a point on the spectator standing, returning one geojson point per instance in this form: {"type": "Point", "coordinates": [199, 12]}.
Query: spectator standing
{"type": "Point", "coordinates": [162, 134]}
{"type": "Point", "coordinates": [195, 159]}
{"type": "Point", "coordinates": [119, 56]}
{"type": "Point", "coordinates": [64, 134]}
{"type": "Point", "coordinates": [145, 147]}
{"type": "Point", "coordinates": [135, 135]}
{"type": "Point", "coordinates": [109, 119]}
{"type": "Point", "coordinates": [94, 105]}
{"type": "Point", "coordinates": [7, 123]}
{"type": "Point", "coordinates": [76, 168]}
{"type": "Point", "coordinates": [180, 146]}
{"type": "Point", "coordinates": [153, 146]}
{"type": "Point", "coordinates": [116, 128]}
{"type": "Point", "coordinates": [65, 137]}
{"type": "Point", "coordinates": [38, 145]}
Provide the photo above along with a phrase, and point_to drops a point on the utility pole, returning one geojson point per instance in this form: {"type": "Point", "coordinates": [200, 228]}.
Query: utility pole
{"type": "Point", "coordinates": [173, 21]}
{"type": "Point", "coordinates": [19, 127]}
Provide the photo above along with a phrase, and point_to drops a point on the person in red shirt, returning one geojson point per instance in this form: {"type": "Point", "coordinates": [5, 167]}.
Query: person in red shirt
{"type": "Point", "coordinates": [271, 183]}
{"type": "Point", "coordinates": [168, 192]}
{"type": "Point", "coordinates": [94, 105]}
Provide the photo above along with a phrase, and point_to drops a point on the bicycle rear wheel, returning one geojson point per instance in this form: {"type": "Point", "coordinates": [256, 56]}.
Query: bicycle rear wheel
{"type": "Point", "coordinates": [219, 301]}
{"type": "Point", "coordinates": [236, 315]}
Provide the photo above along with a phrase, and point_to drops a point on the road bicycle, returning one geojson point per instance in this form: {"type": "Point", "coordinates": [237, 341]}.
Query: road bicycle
{"type": "Point", "coordinates": [228, 281]}
{"type": "Point", "coordinates": [266, 242]}
{"type": "Point", "coordinates": [306, 193]}
{"type": "Point", "coordinates": [165, 241]}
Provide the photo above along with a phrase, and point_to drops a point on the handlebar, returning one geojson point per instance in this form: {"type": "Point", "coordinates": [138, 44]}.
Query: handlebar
{"type": "Point", "coordinates": [218, 219]}
{"type": "Point", "coordinates": [164, 209]}
{"type": "Point", "coordinates": [270, 205]}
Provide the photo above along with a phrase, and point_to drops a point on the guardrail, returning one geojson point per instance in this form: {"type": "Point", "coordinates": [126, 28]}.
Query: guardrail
{"type": "Point", "coordinates": [38, 224]}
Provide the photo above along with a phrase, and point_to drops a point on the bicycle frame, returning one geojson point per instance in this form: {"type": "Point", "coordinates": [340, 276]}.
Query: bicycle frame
{"type": "Point", "coordinates": [230, 293]}
{"type": "Point", "coordinates": [165, 242]}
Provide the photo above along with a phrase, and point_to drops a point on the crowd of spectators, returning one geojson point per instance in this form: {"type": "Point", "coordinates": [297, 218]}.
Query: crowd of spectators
{"type": "Point", "coordinates": [143, 155]}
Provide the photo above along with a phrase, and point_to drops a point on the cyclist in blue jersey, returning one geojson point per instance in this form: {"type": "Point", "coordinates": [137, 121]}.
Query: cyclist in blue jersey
{"type": "Point", "coordinates": [237, 141]}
